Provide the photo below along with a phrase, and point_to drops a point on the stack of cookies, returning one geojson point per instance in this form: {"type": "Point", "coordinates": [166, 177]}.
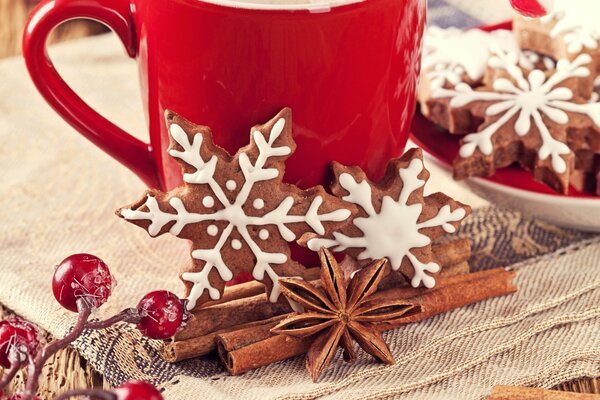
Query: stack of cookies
{"type": "Point", "coordinates": [526, 96]}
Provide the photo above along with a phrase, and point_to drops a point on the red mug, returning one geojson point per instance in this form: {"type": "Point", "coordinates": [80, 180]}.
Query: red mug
{"type": "Point", "coordinates": [348, 71]}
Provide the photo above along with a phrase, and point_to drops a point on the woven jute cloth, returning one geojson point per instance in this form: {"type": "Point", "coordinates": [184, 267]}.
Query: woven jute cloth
{"type": "Point", "coordinates": [58, 196]}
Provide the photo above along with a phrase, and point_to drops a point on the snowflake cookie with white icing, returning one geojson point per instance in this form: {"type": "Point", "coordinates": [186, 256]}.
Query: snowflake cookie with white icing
{"type": "Point", "coordinates": [528, 117]}
{"type": "Point", "coordinates": [571, 29]}
{"type": "Point", "coordinates": [395, 220]}
{"type": "Point", "coordinates": [235, 210]}
{"type": "Point", "coordinates": [453, 56]}
{"type": "Point", "coordinates": [586, 176]}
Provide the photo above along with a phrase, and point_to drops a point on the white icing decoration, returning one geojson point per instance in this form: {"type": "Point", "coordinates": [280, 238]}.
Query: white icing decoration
{"type": "Point", "coordinates": [503, 59]}
{"type": "Point", "coordinates": [212, 230]}
{"type": "Point", "coordinates": [236, 244]}
{"type": "Point", "coordinates": [535, 58]}
{"type": "Point", "coordinates": [530, 99]}
{"type": "Point", "coordinates": [230, 185]}
{"type": "Point", "coordinates": [263, 234]}
{"type": "Point", "coordinates": [394, 231]}
{"type": "Point", "coordinates": [577, 20]}
{"type": "Point", "coordinates": [191, 155]}
{"type": "Point", "coordinates": [208, 202]}
{"type": "Point", "coordinates": [451, 53]}
{"type": "Point", "coordinates": [259, 204]}
{"type": "Point", "coordinates": [233, 213]}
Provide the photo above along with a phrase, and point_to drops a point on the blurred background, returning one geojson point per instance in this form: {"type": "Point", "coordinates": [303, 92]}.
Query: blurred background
{"type": "Point", "coordinates": [13, 15]}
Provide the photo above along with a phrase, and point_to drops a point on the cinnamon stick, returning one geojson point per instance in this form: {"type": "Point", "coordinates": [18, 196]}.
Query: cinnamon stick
{"type": "Point", "coordinates": [453, 292]}
{"type": "Point", "coordinates": [456, 269]}
{"type": "Point", "coordinates": [262, 353]}
{"type": "Point", "coordinates": [230, 314]}
{"type": "Point", "coordinates": [522, 393]}
{"type": "Point", "coordinates": [176, 351]}
{"type": "Point", "coordinates": [253, 288]}
{"type": "Point", "coordinates": [246, 336]}
{"type": "Point", "coordinates": [451, 253]}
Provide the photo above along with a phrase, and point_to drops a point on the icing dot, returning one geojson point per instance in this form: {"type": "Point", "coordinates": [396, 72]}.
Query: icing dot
{"type": "Point", "coordinates": [258, 204]}
{"type": "Point", "coordinates": [231, 185]}
{"type": "Point", "coordinates": [208, 202]}
{"type": "Point", "coordinates": [263, 234]}
{"type": "Point", "coordinates": [212, 230]}
{"type": "Point", "coordinates": [236, 244]}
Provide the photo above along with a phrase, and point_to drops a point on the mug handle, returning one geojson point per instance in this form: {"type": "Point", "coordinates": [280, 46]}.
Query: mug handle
{"type": "Point", "coordinates": [117, 15]}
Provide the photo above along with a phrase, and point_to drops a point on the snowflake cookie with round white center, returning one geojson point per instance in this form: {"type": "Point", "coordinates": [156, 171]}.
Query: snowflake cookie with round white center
{"type": "Point", "coordinates": [569, 30]}
{"type": "Point", "coordinates": [453, 56]}
{"type": "Point", "coordinates": [528, 118]}
{"type": "Point", "coordinates": [395, 220]}
{"type": "Point", "coordinates": [235, 210]}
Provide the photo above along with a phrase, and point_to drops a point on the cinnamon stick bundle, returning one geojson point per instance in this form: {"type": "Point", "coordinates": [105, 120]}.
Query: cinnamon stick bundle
{"type": "Point", "coordinates": [186, 348]}
{"type": "Point", "coordinates": [247, 349]}
{"type": "Point", "coordinates": [246, 302]}
{"type": "Point", "coordinates": [246, 305]}
{"type": "Point", "coordinates": [522, 393]}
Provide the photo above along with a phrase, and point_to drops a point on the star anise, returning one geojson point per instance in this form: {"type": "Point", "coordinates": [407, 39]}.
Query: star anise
{"type": "Point", "coordinates": [339, 313]}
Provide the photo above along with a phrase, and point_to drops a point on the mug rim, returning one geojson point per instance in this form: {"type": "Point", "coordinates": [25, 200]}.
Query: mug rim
{"type": "Point", "coordinates": [318, 7]}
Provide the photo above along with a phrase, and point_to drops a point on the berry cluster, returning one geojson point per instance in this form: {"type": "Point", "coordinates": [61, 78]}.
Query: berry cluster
{"type": "Point", "coordinates": [82, 283]}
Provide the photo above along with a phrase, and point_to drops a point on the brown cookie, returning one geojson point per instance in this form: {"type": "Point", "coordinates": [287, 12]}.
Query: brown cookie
{"type": "Point", "coordinates": [395, 220]}
{"type": "Point", "coordinates": [455, 57]}
{"type": "Point", "coordinates": [500, 60]}
{"type": "Point", "coordinates": [235, 210]}
{"type": "Point", "coordinates": [571, 29]}
{"type": "Point", "coordinates": [586, 175]}
{"type": "Point", "coordinates": [528, 116]}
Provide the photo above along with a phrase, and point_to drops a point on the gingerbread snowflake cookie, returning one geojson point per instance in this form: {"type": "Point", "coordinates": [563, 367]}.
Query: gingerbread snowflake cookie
{"type": "Point", "coordinates": [528, 116]}
{"type": "Point", "coordinates": [452, 57]}
{"type": "Point", "coordinates": [237, 213]}
{"type": "Point", "coordinates": [395, 220]}
{"type": "Point", "coordinates": [571, 29]}
{"type": "Point", "coordinates": [586, 175]}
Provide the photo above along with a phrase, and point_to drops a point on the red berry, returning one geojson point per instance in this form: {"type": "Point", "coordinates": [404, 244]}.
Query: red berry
{"type": "Point", "coordinates": [18, 340]}
{"type": "Point", "coordinates": [137, 390]}
{"type": "Point", "coordinates": [532, 8]}
{"type": "Point", "coordinates": [162, 313]}
{"type": "Point", "coordinates": [82, 276]}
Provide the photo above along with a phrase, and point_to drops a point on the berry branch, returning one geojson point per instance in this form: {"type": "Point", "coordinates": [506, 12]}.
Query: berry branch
{"type": "Point", "coordinates": [9, 375]}
{"type": "Point", "coordinates": [35, 367]}
{"type": "Point", "coordinates": [82, 283]}
{"type": "Point", "coordinates": [129, 315]}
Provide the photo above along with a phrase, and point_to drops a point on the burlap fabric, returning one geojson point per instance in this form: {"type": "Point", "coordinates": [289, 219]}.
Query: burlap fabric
{"type": "Point", "coordinates": [58, 196]}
